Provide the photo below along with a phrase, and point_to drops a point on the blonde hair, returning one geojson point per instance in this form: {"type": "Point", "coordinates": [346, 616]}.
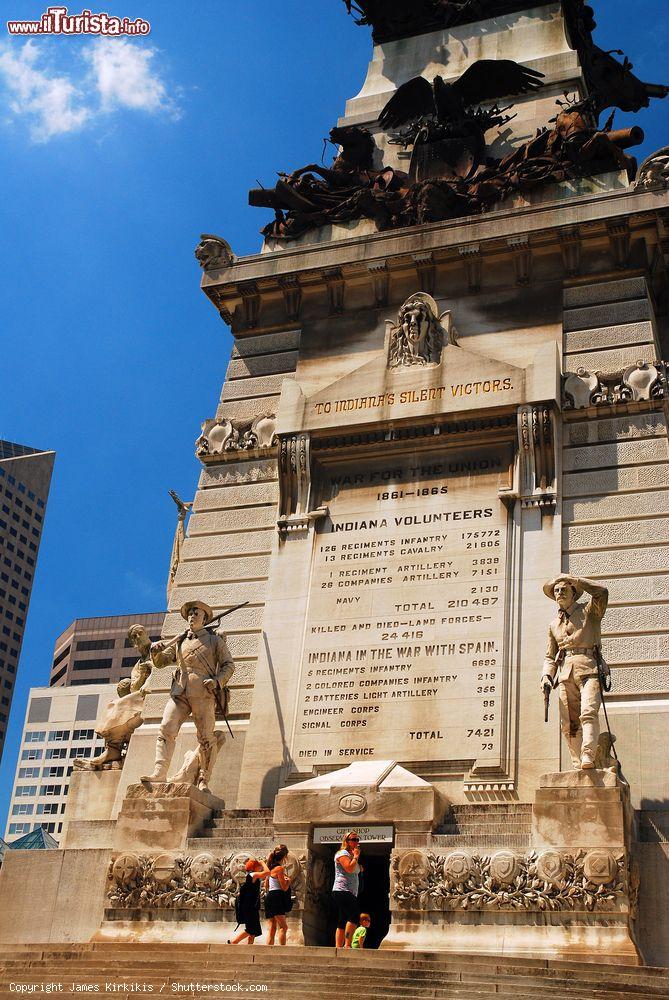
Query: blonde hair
{"type": "Point", "coordinates": [351, 833]}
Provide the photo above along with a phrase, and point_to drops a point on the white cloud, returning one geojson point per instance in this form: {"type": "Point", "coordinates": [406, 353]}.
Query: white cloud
{"type": "Point", "coordinates": [50, 102]}
{"type": "Point", "coordinates": [111, 75]}
{"type": "Point", "coordinates": [124, 77]}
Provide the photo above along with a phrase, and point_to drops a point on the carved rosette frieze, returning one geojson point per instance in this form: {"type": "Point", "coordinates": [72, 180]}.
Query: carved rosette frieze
{"type": "Point", "coordinates": [595, 880]}
{"type": "Point", "coordinates": [641, 382]}
{"type": "Point", "coordinates": [535, 482]}
{"type": "Point", "coordinates": [222, 438]}
{"type": "Point", "coordinates": [203, 881]}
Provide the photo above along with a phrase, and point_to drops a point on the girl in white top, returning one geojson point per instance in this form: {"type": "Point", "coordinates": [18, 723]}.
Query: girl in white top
{"type": "Point", "coordinates": [275, 900]}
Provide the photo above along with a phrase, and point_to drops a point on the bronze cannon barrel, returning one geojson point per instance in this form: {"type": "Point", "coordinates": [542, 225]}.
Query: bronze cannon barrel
{"type": "Point", "coordinates": [625, 138]}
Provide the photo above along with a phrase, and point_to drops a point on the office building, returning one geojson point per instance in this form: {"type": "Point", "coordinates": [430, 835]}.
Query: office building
{"type": "Point", "coordinates": [59, 727]}
{"type": "Point", "coordinates": [97, 650]}
{"type": "Point", "coordinates": [25, 477]}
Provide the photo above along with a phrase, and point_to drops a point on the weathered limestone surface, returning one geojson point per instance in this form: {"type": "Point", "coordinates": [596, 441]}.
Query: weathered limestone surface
{"type": "Point", "coordinates": [243, 388]}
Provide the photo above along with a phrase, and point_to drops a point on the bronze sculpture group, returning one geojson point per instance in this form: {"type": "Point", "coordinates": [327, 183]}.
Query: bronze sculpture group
{"type": "Point", "coordinates": [450, 174]}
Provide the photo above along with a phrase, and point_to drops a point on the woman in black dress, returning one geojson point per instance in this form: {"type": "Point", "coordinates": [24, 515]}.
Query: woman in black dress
{"type": "Point", "coordinates": [248, 910]}
{"type": "Point", "coordinates": [276, 905]}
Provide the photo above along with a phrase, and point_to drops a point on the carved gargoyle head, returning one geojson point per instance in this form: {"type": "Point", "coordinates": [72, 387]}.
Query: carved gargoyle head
{"type": "Point", "coordinates": [212, 251]}
{"type": "Point", "coordinates": [418, 336]}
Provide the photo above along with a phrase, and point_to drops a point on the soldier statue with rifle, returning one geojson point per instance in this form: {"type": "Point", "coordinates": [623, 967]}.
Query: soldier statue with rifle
{"type": "Point", "coordinates": [199, 689]}
{"type": "Point", "coordinates": [575, 665]}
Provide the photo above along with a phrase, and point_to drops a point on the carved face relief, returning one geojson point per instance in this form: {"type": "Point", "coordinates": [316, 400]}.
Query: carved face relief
{"type": "Point", "coordinates": [418, 337]}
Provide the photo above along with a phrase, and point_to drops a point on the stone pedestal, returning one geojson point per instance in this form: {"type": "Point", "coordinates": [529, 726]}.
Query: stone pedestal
{"type": "Point", "coordinates": [162, 816]}
{"type": "Point", "coordinates": [90, 804]}
{"type": "Point", "coordinates": [584, 809]}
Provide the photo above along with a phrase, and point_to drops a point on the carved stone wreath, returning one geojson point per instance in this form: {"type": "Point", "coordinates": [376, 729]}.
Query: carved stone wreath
{"type": "Point", "coordinates": [222, 435]}
{"type": "Point", "coordinates": [642, 381]}
{"type": "Point", "coordinates": [170, 881]}
{"type": "Point", "coordinates": [586, 880]}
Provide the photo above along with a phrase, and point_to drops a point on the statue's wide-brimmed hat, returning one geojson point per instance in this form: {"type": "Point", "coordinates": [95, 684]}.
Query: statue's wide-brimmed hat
{"type": "Point", "coordinates": [549, 588]}
{"type": "Point", "coordinates": [208, 613]}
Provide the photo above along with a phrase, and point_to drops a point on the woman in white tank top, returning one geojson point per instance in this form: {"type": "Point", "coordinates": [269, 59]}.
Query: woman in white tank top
{"type": "Point", "coordinates": [275, 899]}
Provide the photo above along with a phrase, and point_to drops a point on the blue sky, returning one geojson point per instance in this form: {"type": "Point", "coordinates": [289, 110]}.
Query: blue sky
{"type": "Point", "coordinates": [114, 158]}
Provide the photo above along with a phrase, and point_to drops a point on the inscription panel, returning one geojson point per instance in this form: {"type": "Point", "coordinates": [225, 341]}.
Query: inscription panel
{"type": "Point", "coordinates": [403, 653]}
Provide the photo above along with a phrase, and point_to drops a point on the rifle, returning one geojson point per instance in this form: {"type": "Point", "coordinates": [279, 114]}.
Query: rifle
{"type": "Point", "coordinates": [547, 698]}
{"type": "Point", "coordinates": [209, 627]}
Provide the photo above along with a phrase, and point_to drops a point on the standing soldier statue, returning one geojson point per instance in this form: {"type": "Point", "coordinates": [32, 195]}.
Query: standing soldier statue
{"type": "Point", "coordinates": [199, 688]}
{"type": "Point", "coordinates": [574, 662]}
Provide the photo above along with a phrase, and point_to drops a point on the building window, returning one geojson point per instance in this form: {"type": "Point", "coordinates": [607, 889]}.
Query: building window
{"type": "Point", "coordinates": [53, 772]}
{"type": "Point", "coordinates": [29, 772]}
{"type": "Point", "coordinates": [103, 664]}
{"type": "Point", "coordinates": [87, 707]}
{"type": "Point", "coordinates": [61, 656]}
{"type": "Point", "coordinates": [17, 829]}
{"type": "Point", "coordinates": [22, 809]}
{"type": "Point", "coordinates": [57, 753]}
{"type": "Point", "coordinates": [49, 827]}
{"type": "Point", "coordinates": [39, 710]}
{"type": "Point", "coordinates": [59, 736]}
{"type": "Point", "coordinates": [83, 734]}
{"type": "Point", "coordinates": [51, 790]}
{"type": "Point", "coordinates": [36, 736]}
{"type": "Point", "coordinates": [25, 791]}
{"type": "Point", "coordinates": [57, 677]}
{"type": "Point", "coordinates": [80, 752]}
{"type": "Point", "coordinates": [31, 755]}
{"type": "Point", "coordinates": [90, 644]}
{"type": "Point", "coordinates": [47, 808]}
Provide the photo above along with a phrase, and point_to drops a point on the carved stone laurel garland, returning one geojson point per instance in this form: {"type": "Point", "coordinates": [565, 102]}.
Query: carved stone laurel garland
{"type": "Point", "coordinates": [203, 881]}
{"type": "Point", "coordinates": [221, 436]}
{"type": "Point", "coordinates": [551, 880]}
{"type": "Point", "coordinates": [642, 381]}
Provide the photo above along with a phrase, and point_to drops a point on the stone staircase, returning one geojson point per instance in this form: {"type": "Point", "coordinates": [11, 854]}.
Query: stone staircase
{"type": "Point", "coordinates": [237, 829]}
{"type": "Point", "coordinates": [303, 973]}
{"type": "Point", "coordinates": [486, 825]}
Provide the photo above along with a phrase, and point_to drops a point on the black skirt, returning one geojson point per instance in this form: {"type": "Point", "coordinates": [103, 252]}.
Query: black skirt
{"type": "Point", "coordinates": [275, 903]}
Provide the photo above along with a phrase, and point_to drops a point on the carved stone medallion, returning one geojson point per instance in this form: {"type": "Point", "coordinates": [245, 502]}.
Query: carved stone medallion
{"type": "Point", "coordinates": [238, 866]}
{"type": "Point", "coordinates": [551, 867]}
{"type": "Point", "coordinates": [126, 868]}
{"type": "Point", "coordinates": [599, 867]}
{"type": "Point", "coordinates": [203, 870]}
{"type": "Point", "coordinates": [352, 803]}
{"type": "Point", "coordinates": [413, 866]}
{"type": "Point", "coordinates": [457, 867]}
{"type": "Point", "coordinates": [504, 867]}
{"type": "Point", "coordinates": [164, 868]}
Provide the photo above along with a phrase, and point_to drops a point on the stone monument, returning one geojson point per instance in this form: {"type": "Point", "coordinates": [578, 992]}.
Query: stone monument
{"type": "Point", "coordinates": [446, 385]}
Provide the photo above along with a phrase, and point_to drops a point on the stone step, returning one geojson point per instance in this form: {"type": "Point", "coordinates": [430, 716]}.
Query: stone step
{"type": "Point", "coordinates": [222, 824]}
{"type": "Point", "coordinates": [243, 813]}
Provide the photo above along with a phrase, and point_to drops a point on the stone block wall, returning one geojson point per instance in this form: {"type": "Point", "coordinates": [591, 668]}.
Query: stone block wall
{"type": "Point", "coordinates": [615, 510]}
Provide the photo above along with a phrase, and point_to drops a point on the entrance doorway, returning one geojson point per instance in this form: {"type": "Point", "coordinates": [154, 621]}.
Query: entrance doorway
{"type": "Point", "coordinates": [374, 894]}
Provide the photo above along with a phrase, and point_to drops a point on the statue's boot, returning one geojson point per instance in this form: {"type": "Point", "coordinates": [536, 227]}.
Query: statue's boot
{"type": "Point", "coordinates": [207, 760]}
{"type": "Point", "coordinates": [110, 755]}
{"type": "Point", "coordinates": [164, 751]}
{"type": "Point", "coordinates": [589, 745]}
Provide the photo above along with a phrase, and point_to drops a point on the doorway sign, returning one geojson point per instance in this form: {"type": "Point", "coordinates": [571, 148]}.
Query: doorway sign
{"type": "Point", "coordinates": [367, 834]}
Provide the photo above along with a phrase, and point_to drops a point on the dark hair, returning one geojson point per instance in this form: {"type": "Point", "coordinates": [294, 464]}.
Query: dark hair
{"type": "Point", "coordinates": [277, 855]}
